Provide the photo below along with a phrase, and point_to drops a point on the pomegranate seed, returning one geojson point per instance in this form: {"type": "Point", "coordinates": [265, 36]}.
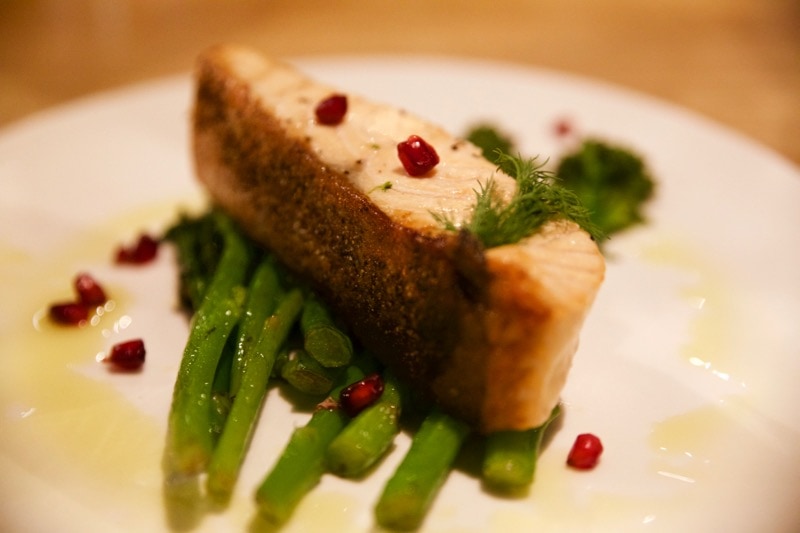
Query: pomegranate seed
{"type": "Point", "coordinates": [331, 111]}
{"type": "Point", "coordinates": [128, 355]}
{"type": "Point", "coordinates": [418, 157]}
{"type": "Point", "coordinates": [358, 396]}
{"type": "Point", "coordinates": [143, 251]}
{"type": "Point", "coordinates": [562, 127]}
{"type": "Point", "coordinates": [90, 293]}
{"type": "Point", "coordinates": [69, 313]}
{"type": "Point", "coordinates": [585, 452]}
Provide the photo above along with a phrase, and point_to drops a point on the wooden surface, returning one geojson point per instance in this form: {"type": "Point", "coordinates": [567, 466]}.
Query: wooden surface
{"type": "Point", "coordinates": [735, 61]}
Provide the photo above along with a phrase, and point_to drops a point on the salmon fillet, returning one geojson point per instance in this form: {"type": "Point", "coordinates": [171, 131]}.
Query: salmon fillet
{"type": "Point", "coordinates": [488, 335]}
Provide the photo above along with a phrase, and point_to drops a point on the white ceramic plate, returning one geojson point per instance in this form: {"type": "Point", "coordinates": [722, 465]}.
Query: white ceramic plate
{"type": "Point", "coordinates": [687, 368]}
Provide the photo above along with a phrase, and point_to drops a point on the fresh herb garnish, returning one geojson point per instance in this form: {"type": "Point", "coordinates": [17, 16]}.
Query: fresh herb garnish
{"type": "Point", "coordinates": [610, 181]}
{"type": "Point", "coordinates": [385, 186]}
{"type": "Point", "coordinates": [537, 200]}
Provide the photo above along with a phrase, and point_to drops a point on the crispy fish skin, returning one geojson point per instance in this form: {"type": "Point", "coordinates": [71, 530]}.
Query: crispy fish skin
{"type": "Point", "coordinates": [474, 329]}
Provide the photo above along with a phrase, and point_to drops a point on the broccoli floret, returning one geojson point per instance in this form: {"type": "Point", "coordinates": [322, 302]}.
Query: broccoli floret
{"type": "Point", "coordinates": [612, 183]}
{"type": "Point", "coordinates": [489, 139]}
{"type": "Point", "coordinates": [492, 143]}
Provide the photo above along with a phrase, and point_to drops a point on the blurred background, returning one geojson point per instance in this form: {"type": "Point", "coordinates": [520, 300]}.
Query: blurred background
{"type": "Point", "coordinates": [735, 61]}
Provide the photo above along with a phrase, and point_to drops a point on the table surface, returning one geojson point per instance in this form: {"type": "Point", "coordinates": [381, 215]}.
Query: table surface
{"type": "Point", "coordinates": [734, 61]}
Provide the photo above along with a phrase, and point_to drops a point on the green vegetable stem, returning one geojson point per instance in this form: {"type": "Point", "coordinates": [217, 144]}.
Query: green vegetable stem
{"type": "Point", "coordinates": [302, 463]}
{"type": "Point", "coordinates": [306, 374]}
{"type": "Point", "coordinates": [229, 453]}
{"type": "Point", "coordinates": [189, 436]}
{"type": "Point", "coordinates": [263, 295]}
{"type": "Point", "coordinates": [220, 390]}
{"type": "Point", "coordinates": [509, 463]}
{"type": "Point", "coordinates": [368, 437]}
{"type": "Point", "coordinates": [322, 338]}
{"type": "Point", "coordinates": [415, 483]}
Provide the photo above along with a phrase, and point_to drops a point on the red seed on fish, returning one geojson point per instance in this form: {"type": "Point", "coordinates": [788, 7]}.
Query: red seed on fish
{"type": "Point", "coordinates": [585, 452]}
{"type": "Point", "coordinates": [358, 396]}
{"type": "Point", "coordinates": [128, 355]}
{"type": "Point", "coordinates": [331, 110]}
{"type": "Point", "coordinates": [417, 156]}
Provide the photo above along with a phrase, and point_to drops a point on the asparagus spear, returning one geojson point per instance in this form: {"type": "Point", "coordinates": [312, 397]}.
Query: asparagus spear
{"type": "Point", "coordinates": [262, 298]}
{"type": "Point", "coordinates": [302, 463]}
{"type": "Point", "coordinates": [280, 359]}
{"type": "Point", "coordinates": [189, 437]}
{"type": "Point", "coordinates": [323, 340]}
{"type": "Point", "coordinates": [220, 390]}
{"type": "Point", "coordinates": [412, 488]}
{"type": "Point", "coordinates": [228, 455]}
{"type": "Point", "coordinates": [509, 463]}
{"type": "Point", "coordinates": [306, 374]}
{"type": "Point", "coordinates": [368, 436]}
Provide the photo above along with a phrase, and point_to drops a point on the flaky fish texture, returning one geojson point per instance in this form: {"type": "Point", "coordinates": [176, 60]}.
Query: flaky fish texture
{"type": "Point", "coordinates": [488, 335]}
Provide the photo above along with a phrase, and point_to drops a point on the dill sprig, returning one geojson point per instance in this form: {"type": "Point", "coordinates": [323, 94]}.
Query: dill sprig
{"type": "Point", "coordinates": [537, 200]}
